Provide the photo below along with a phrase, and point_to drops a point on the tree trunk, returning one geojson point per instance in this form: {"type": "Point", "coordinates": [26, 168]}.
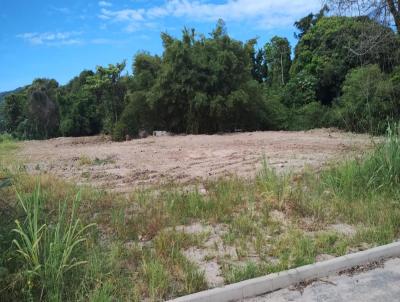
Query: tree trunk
{"type": "Point", "coordinates": [283, 80]}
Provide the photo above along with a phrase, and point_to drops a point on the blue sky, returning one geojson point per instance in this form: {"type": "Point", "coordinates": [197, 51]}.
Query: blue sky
{"type": "Point", "coordinates": [58, 39]}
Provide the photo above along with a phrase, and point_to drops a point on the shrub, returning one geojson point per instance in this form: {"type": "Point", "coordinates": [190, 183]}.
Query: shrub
{"type": "Point", "coordinates": [5, 138]}
{"type": "Point", "coordinates": [49, 252]}
{"type": "Point", "coordinates": [368, 102]}
{"type": "Point", "coordinates": [309, 116]}
{"type": "Point", "coordinates": [135, 116]}
{"type": "Point", "coordinates": [376, 172]}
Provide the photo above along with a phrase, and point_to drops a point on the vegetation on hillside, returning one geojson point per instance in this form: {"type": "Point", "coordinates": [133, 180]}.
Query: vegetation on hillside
{"type": "Point", "coordinates": [344, 72]}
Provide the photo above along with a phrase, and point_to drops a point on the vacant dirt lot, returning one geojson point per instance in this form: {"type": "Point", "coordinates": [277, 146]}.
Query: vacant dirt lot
{"type": "Point", "coordinates": [124, 166]}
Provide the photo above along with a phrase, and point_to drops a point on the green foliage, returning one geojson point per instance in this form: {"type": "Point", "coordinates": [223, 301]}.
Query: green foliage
{"type": "Point", "coordinates": [205, 85]}
{"type": "Point", "coordinates": [109, 88]}
{"type": "Point", "coordinates": [33, 112]}
{"type": "Point", "coordinates": [337, 44]}
{"type": "Point", "coordinates": [369, 100]}
{"type": "Point", "coordinates": [309, 21]}
{"type": "Point", "coordinates": [209, 84]}
{"type": "Point", "coordinates": [247, 271]}
{"type": "Point", "coordinates": [137, 115]}
{"type": "Point", "coordinates": [48, 252]}
{"type": "Point", "coordinates": [81, 112]}
{"type": "Point", "coordinates": [80, 115]}
{"type": "Point", "coordinates": [301, 90]}
{"type": "Point", "coordinates": [379, 171]}
{"type": "Point", "coordinates": [260, 66]}
{"type": "Point", "coordinates": [309, 116]}
{"type": "Point", "coordinates": [278, 60]}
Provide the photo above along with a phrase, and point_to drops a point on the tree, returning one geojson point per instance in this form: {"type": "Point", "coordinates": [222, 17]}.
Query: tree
{"type": "Point", "coordinates": [300, 90]}
{"type": "Point", "coordinates": [335, 45]}
{"type": "Point", "coordinates": [13, 111]}
{"type": "Point", "coordinates": [42, 109]}
{"type": "Point", "coordinates": [81, 116]}
{"type": "Point", "coordinates": [384, 11]}
{"type": "Point", "coordinates": [108, 85]}
{"type": "Point", "coordinates": [307, 22]}
{"type": "Point", "coordinates": [277, 53]}
{"type": "Point", "coordinates": [80, 113]}
{"type": "Point", "coordinates": [369, 101]}
{"type": "Point", "coordinates": [260, 67]}
{"type": "Point", "coordinates": [145, 68]}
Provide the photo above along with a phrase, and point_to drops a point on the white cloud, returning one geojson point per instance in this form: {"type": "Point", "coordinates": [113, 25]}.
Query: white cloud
{"type": "Point", "coordinates": [123, 15]}
{"type": "Point", "coordinates": [105, 4]}
{"type": "Point", "coordinates": [51, 38]}
{"type": "Point", "coordinates": [260, 13]}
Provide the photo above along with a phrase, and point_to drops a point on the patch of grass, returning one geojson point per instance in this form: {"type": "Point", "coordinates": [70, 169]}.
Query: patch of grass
{"type": "Point", "coordinates": [250, 270]}
{"type": "Point", "coordinates": [85, 160]}
{"type": "Point", "coordinates": [49, 252]}
{"type": "Point", "coordinates": [103, 161]}
{"type": "Point", "coordinates": [294, 249]}
{"type": "Point", "coordinates": [8, 145]}
{"type": "Point", "coordinates": [156, 277]}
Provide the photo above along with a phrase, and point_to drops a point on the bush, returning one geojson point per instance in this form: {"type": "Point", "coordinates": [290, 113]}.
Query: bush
{"type": "Point", "coordinates": [49, 252]}
{"type": "Point", "coordinates": [135, 116]}
{"type": "Point", "coordinates": [119, 132]}
{"type": "Point", "coordinates": [379, 171]}
{"type": "Point", "coordinates": [5, 138]}
{"type": "Point", "coordinates": [312, 115]}
{"type": "Point", "coordinates": [368, 102]}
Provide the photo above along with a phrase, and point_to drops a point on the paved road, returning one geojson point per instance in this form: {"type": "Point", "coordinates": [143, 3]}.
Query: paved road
{"type": "Point", "coordinates": [381, 284]}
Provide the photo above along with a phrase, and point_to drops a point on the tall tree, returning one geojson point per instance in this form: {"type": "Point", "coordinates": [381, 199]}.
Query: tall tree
{"type": "Point", "coordinates": [42, 109]}
{"type": "Point", "coordinates": [336, 44]}
{"type": "Point", "coordinates": [278, 59]}
{"type": "Point", "coordinates": [13, 110]}
{"type": "Point", "coordinates": [260, 66]}
{"type": "Point", "coordinates": [109, 87]}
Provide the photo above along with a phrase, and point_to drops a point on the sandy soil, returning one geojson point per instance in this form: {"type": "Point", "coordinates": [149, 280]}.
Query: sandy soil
{"type": "Point", "coordinates": [127, 165]}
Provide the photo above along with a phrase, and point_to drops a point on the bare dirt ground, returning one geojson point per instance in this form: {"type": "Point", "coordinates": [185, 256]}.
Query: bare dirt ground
{"type": "Point", "coordinates": [184, 159]}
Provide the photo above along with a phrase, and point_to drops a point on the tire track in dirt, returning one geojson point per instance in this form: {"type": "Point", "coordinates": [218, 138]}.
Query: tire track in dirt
{"type": "Point", "coordinates": [154, 160]}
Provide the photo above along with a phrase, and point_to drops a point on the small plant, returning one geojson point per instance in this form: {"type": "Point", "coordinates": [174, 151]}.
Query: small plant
{"type": "Point", "coordinates": [157, 278]}
{"type": "Point", "coordinates": [103, 161]}
{"type": "Point", "coordinates": [49, 252]}
{"type": "Point", "coordinates": [233, 274]}
{"type": "Point", "coordinates": [85, 160]}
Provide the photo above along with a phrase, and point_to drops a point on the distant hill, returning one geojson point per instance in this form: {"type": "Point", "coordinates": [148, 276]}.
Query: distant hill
{"type": "Point", "coordinates": [5, 93]}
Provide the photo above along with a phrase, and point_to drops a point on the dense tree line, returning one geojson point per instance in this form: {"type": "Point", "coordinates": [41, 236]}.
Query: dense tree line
{"type": "Point", "coordinates": [343, 72]}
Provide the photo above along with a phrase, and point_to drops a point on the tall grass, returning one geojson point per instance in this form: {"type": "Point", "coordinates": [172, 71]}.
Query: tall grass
{"type": "Point", "coordinates": [49, 251]}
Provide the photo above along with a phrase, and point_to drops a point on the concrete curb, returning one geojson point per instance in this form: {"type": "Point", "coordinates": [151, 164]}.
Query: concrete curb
{"type": "Point", "coordinates": [258, 286]}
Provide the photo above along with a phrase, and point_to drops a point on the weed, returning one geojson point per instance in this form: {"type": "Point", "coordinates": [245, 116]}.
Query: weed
{"type": "Point", "coordinates": [156, 277]}
{"type": "Point", "coordinates": [85, 160]}
{"type": "Point", "coordinates": [48, 251]}
{"type": "Point", "coordinates": [239, 273]}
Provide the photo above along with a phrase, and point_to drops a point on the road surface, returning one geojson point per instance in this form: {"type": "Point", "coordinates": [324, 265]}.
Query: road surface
{"type": "Point", "coordinates": [381, 284]}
